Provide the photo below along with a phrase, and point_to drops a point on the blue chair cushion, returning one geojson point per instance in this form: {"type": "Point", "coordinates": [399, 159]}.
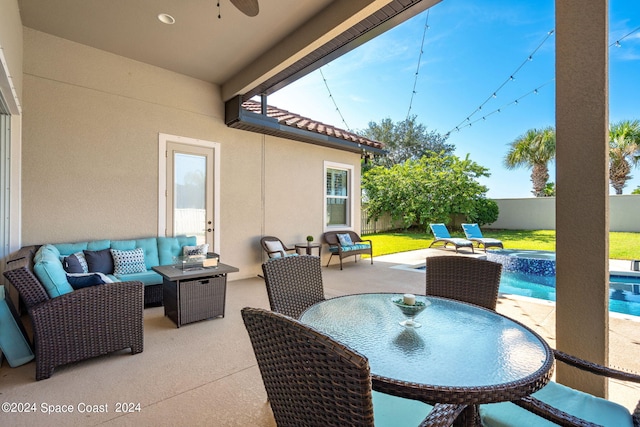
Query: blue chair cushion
{"type": "Point", "coordinates": [395, 411]}
{"type": "Point", "coordinates": [49, 270]}
{"type": "Point", "coordinates": [440, 231]}
{"type": "Point", "coordinates": [472, 231]}
{"type": "Point", "coordinates": [574, 402]}
{"type": "Point", "coordinates": [171, 247]}
{"type": "Point", "coordinates": [354, 247]}
{"type": "Point", "coordinates": [149, 277]}
{"type": "Point", "coordinates": [12, 343]}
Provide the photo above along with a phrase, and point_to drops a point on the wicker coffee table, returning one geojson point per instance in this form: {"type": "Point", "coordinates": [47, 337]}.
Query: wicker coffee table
{"type": "Point", "coordinates": [194, 294]}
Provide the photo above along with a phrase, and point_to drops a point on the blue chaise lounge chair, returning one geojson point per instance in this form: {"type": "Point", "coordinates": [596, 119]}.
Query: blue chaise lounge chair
{"type": "Point", "coordinates": [473, 233]}
{"type": "Point", "coordinates": [441, 234]}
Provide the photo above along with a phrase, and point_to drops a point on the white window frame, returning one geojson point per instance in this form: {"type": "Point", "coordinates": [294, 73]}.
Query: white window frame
{"type": "Point", "coordinates": [350, 199]}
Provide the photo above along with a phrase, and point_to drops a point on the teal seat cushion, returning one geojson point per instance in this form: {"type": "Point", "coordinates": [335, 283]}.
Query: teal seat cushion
{"type": "Point", "coordinates": [98, 245]}
{"type": "Point", "coordinates": [395, 411]}
{"type": "Point", "coordinates": [150, 248]}
{"type": "Point", "coordinates": [171, 247]}
{"type": "Point", "coordinates": [48, 268]}
{"type": "Point", "coordinates": [123, 245]}
{"type": "Point", "coordinates": [354, 247]}
{"type": "Point", "coordinates": [574, 402]}
{"type": "Point", "coordinates": [67, 249]}
{"type": "Point", "coordinates": [147, 278]}
{"type": "Point", "coordinates": [12, 343]}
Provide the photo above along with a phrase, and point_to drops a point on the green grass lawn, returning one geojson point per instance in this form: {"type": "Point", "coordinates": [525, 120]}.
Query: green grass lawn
{"type": "Point", "coordinates": [621, 245]}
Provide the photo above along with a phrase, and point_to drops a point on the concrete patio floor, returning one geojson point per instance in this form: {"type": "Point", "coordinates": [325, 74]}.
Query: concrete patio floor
{"type": "Point", "coordinates": [205, 374]}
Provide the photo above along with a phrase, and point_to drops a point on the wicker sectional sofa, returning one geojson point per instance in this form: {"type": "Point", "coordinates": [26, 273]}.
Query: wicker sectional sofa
{"type": "Point", "coordinates": [46, 261]}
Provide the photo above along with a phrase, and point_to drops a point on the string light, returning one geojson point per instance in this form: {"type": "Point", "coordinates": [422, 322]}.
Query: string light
{"type": "Point", "coordinates": [511, 78]}
{"type": "Point", "coordinates": [415, 81]}
{"type": "Point", "coordinates": [334, 101]}
{"type": "Point", "coordinates": [617, 42]}
{"type": "Point", "coordinates": [497, 110]}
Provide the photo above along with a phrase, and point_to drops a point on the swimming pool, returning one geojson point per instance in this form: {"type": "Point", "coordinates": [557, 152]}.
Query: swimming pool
{"type": "Point", "coordinates": [624, 290]}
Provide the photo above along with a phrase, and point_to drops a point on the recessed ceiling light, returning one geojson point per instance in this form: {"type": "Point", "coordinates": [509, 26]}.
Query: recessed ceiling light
{"type": "Point", "coordinates": [166, 18]}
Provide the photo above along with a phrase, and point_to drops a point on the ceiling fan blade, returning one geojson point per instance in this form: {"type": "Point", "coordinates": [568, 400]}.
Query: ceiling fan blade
{"type": "Point", "coordinates": [248, 7]}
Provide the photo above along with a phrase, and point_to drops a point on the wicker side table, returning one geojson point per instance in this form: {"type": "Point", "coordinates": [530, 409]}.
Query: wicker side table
{"type": "Point", "coordinates": [195, 294]}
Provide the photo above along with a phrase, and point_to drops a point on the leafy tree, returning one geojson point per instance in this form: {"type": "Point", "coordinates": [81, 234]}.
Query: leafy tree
{"type": "Point", "coordinates": [550, 189]}
{"type": "Point", "coordinates": [636, 191]}
{"type": "Point", "coordinates": [533, 150]}
{"type": "Point", "coordinates": [405, 140]}
{"type": "Point", "coordinates": [486, 212]}
{"type": "Point", "coordinates": [624, 152]}
{"type": "Point", "coordinates": [426, 190]}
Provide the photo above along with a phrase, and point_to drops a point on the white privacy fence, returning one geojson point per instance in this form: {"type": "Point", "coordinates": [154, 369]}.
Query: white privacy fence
{"type": "Point", "coordinates": [535, 213]}
{"type": "Point", "coordinates": [539, 213]}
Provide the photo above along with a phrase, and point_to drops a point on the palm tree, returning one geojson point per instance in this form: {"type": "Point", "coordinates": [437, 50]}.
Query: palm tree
{"type": "Point", "coordinates": [624, 152]}
{"type": "Point", "coordinates": [533, 150]}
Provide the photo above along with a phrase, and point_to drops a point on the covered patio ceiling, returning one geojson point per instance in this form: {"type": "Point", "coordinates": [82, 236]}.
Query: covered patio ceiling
{"type": "Point", "coordinates": [245, 56]}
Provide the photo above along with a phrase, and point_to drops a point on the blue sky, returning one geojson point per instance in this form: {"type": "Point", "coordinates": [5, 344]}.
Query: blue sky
{"type": "Point", "coordinates": [470, 51]}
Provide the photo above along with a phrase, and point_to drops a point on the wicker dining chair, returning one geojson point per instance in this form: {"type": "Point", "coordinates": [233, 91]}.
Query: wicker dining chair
{"type": "Point", "coordinates": [466, 279]}
{"type": "Point", "coordinates": [312, 380]}
{"type": "Point", "coordinates": [293, 283]}
{"type": "Point", "coordinates": [563, 405]}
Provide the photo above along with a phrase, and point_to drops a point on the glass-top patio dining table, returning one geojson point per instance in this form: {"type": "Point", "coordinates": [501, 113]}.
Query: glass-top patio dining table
{"type": "Point", "coordinates": [462, 354]}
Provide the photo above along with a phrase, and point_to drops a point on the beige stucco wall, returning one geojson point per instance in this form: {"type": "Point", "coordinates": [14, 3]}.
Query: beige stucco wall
{"type": "Point", "coordinates": [540, 213]}
{"type": "Point", "coordinates": [11, 44]}
{"type": "Point", "coordinates": [90, 154]}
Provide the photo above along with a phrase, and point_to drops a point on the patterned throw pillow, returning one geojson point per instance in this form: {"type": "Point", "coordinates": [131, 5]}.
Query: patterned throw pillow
{"type": "Point", "coordinates": [75, 263]}
{"type": "Point", "coordinates": [128, 262]}
{"type": "Point", "coordinates": [196, 250]}
{"type": "Point", "coordinates": [345, 239]}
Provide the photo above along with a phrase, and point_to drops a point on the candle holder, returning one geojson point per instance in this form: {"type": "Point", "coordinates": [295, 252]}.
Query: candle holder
{"type": "Point", "coordinates": [410, 311]}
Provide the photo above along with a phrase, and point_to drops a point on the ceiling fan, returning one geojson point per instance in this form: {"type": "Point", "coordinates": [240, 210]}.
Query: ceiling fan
{"type": "Point", "coordinates": [248, 7]}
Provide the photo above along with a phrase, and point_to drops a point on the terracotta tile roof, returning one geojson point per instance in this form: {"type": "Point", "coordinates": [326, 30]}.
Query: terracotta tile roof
{"type": "Point", "coordinates": [293, 120]}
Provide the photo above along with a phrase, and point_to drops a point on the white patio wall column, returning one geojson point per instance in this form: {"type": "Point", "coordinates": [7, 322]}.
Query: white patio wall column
{"type": "Point", "coordinates": [582, 203]}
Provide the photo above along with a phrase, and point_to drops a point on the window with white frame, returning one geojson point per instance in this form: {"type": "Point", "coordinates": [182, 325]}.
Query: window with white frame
{"type": "Point", "coordinates": [338, 199]}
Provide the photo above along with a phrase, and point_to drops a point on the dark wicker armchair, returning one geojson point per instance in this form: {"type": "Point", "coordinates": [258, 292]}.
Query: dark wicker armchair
{"type": "Point", "coordinates": [274, 247]}
{"type": "Point", "coordinates": [293, 284]}
{"type": "Point", "coordinates": [312, 380]}
{"type": "Point", "coordinates": [466, 279]}
{"type": "Point", "coordinates": [586, 410]}
{"type": "Point", "coordinates": [82, 324]}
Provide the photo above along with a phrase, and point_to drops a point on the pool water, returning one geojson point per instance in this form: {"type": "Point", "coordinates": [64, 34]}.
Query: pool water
{"type": "Point", "coordinates": [624, 291]}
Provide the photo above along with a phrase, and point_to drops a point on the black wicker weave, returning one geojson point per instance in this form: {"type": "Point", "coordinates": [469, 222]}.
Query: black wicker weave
{"type": "Point", "coordinates": [153, 295]}
{"type": "Point", "coordinates": [312, 380]}
{"type": "Point", "coordinates": [465, 279]}
{"type": "Point", "coordinates": [564, 419]}
{"type": "Point", "coordinates": [293, 283]}
{"type": "Point", "coordinates": [82, 324]}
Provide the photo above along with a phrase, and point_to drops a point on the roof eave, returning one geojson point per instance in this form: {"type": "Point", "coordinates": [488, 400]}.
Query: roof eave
{"type": "Point", "coordinates": [237, 117]}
